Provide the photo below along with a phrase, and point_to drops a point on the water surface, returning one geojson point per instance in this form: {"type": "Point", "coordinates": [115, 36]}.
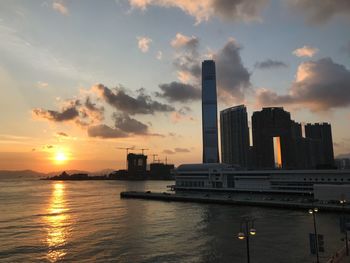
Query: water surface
{"type": "Point", "coordinates": [86, 221]}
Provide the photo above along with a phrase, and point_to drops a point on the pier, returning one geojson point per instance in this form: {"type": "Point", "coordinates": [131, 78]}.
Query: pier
{"type": "Point", "coordinates": [228, 199]}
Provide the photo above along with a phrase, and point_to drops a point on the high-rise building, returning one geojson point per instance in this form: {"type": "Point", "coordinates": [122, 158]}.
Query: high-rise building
{"type": "Point", "coordinates": [234, 133]}
{"type": "Point", "coordinates": [322, 133]}
{"type": "Point", "coordinates": [273, 142]}
{"type": "Point", "coordinates": [209, 113]}
{"type": "Point", "coordinates": [137, 164]}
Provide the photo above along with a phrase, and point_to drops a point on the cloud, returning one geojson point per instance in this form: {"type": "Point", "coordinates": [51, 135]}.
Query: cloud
{"type": "Point", "coordinates": [143, 43]}
{"type": "Point", "coordinates": [42, 84]}
{"type": "Point", "coordinates": [124, 123]}
{"type": "Point", "coordinates": [176, 150]}
{"type": "Point", "coordinates": [319, 86]}
{"type": "Point", "coordinates": [233, 79]}
{"type": "Point", "coordinates": [322, 11]}
{"type": "Point", "coordinates": [142, 104]}
{"type": "Point", "coordinates": [203, 10]}
{"type": "Point", "coordinates": [83, 114]}
{"type": "Point", "coordinates": [92, 111]}
{"type": "Point", "coordinates": [181, 115]}
{"type": "Point", "coordinates": [176, 91]}
{"type": "Point", "coordinates": [167, 151]}
{"type": "Point", "coordinates": [63, 134]}
{"type": "Point", "coordinates": [182, 150]}
{"type": "Point", "coordinates": [105, 132]}
{"type": "Point", "coordinates": [60, 7]}
{"type": "Point", "coordinates": [66, 114]}
{"type": "Point", "coordinates": [183, 41]}
{"type": "Point", "coordinates": [159, 55]}
{"type": "Point", "coordinates": [187, 58]}
{"type": "Point", "coordinates": [305, 51]}
{"type": "Point", "coordinates": [269, 64]}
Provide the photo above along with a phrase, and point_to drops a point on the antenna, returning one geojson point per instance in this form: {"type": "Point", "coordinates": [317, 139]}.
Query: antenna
{"type": "Point", "coordinates": [154, 157]}
{"type": "Point", "coordinates": [127, 152]}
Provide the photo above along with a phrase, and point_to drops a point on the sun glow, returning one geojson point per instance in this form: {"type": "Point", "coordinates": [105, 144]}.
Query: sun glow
{"type": "Point", "coordinates": [61, 157]}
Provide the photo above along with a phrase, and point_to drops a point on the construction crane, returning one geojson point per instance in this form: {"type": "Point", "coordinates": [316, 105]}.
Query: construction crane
{"type": "Point", "coordinates": [127, 152]}
{"type": "Point", "coordinates": [154, 157]}
{"type": "Point", "coordinates": [142, 149]}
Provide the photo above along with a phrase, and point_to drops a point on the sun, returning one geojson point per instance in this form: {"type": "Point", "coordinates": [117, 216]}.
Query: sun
{"type": "Point", "coordinates": [60, 157]}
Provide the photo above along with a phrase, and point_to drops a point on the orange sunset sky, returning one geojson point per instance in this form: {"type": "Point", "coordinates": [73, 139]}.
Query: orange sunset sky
{"type": "Point", "coordinates": [80, 79]}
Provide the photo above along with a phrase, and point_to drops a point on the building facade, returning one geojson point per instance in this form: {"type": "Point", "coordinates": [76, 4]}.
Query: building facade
{"type": "Point", "coordinates": [321, 133]}
{"type": "Point", "coordinates": [209, 113]}
{"type": "Point", "coordinates": [271, 125]}
{"type": "Point", "coordinates": [234, 133]}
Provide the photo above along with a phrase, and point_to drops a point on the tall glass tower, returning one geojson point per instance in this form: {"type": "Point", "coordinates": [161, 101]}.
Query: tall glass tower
{"type": "Point", "coordinates": [234, 135]}
{"type": "Point", "coordinates": [209, 113]}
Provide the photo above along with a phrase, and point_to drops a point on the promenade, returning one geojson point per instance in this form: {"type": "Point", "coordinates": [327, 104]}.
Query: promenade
{"type": "Point", "coordinates": [283, 202]}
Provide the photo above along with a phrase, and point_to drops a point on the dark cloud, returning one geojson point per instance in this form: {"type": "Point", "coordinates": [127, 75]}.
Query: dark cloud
{"type": "Point", "coordinates": [93, 111]}
{"type": "Point", "coordinates": [187, 57]}
{"type": "Point", "coordinates": [142, 104]}
{"type": "Point", "coordinates": [106, 132]}
{"type": "Point", "coordinates": [184, 110]}
{"type": "Point", "coordinates": [49, 146]}
{"type": "Point", "coordinates": [63, 134]}
{"type": "Point", "coordinates": [320, 85]}
{"type": "Point", "coordinates": [269, 64]}
{"type": "Point", "coordinates": [83, 114]}
{"type": "Point", "coordinates": [126, 124]}
{"type": "Point", "coordinates": [69, 113]}
{"type": "Point", "coordinates": [177, 91]}
{"type": "Point", "coordinates": [321, 11]}
{"type": "Point", "coordinates": [233, 79]}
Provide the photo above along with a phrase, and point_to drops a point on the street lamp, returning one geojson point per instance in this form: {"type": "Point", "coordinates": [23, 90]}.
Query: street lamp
{"type": "Point", "coordinates": [343, 202]}
{"type": "Point", "coordinates": [313, 211]}
{"type": "Point", "coordinates": [247, 230]}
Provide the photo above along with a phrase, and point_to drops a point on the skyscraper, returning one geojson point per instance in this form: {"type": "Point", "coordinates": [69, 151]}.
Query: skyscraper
{"type": "Point", "coordinates": [322, 133]}
{"type": "Point", "coordinates": [234, 136]}
{"type": "Point", "coordinates": [273, 139]}
{"type": "Point", "coordinates": [209, 113]}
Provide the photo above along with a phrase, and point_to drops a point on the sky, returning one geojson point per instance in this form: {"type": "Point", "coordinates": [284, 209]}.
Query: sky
{"type": "Point", "coordinates": [81, 79]}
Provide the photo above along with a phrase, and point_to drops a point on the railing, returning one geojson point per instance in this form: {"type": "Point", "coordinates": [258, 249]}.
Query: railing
{"type": "Point", "coordinates": [338, 256]}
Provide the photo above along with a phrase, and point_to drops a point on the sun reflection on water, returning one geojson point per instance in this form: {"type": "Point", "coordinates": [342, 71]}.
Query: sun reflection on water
{"type": "Point", "coordinates": [57, 221]}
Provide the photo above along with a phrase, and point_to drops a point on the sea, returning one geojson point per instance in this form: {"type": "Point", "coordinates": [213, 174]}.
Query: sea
{"type": "Point", "coordinates": [87, 221]}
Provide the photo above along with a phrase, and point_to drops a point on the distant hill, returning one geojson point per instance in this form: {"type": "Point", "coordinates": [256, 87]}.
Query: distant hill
{"type": "Point", "coordinates": [21, 173]}
{"type": "Point", "coordinates": [101, 172]}
{"type": "Point", "coordinates": [33, 174]}
{"type": "Point", "coordinates": [68, 172]}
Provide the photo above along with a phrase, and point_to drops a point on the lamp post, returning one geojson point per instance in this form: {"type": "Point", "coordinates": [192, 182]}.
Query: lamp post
{"type": "Point", "coordinates": [247, 230]}
{"type": "Point", "coordinates": [342, 202]}
{"type": "Point", "coordinates": [313, 212]}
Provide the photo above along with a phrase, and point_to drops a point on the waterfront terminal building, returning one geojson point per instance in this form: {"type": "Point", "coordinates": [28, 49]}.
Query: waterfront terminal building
{"type": "Point", "coordinates": [228, 178]}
